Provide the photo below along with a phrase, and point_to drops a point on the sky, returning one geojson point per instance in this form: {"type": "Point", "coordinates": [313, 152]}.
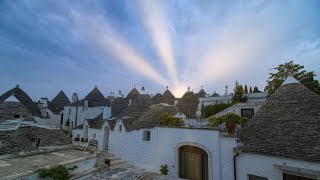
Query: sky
{"type": "Point", "coordinates": [53, 45]}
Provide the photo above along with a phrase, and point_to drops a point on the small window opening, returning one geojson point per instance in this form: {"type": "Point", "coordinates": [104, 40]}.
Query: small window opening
{"type": "Point", "coordinates": [16, 116]}
{"type": "Point", "coordinates": [254, 177]}
{"type": "Point", "coordinates": [146, 135]}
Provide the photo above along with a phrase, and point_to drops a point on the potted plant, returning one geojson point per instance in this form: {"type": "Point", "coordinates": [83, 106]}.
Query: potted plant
{"type": "Point", "coordinates": [164, 169]}
{"type": "Point", "coordinates": [82, 139]}
{"type": "Point", "coordinates": [76, 139]}
{"type": "Point", "coordinates": [231, 120]}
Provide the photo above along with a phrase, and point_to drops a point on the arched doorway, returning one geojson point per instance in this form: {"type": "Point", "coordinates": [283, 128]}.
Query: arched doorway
{"type": "Point", "coordinates": [193, 163]}
{"type": "Point", "coordinates": [105, 144]}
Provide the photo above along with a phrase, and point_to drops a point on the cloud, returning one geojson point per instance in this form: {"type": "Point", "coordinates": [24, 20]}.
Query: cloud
{"type": "Point", "coordinates": [154, 17]}
{"type": "Point", "coordinates": [99, 30]}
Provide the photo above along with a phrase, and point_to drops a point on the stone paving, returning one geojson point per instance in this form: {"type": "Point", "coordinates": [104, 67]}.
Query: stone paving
{"type": "Point", "coordinates": [26, 164]}
{"type": "Point", "coordinates": [130, 174]}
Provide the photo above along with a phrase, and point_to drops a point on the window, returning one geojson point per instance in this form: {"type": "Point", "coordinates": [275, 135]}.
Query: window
{"type": "Point", "coordinates": [146, 135]}
{"type": "Point", "coordinates": [294, 177]}
{"type": "Point", "coordinates": [253, 177]}
{"type": "Point", "coordinates": [248, 113]}
{"type": "Point", "coordinates": [16, 116]}
{"type": "Point", "coordinates": [120, 128]}
{"type": "Point", "coordinates": [35, 142]}
{"type": "Point", "coordinates": [94, 135]}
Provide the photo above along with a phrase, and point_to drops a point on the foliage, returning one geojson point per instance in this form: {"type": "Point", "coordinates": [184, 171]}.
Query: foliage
{"type": "Point", "coordinates": [59, 172]}
{"type": "Point", "coordinates": [245, 89]}
{"type": "Point", "coordinates": [168, 120]}
{"type": "Point", "coordinates": [256, 90]}
{"type": "Point", "coordinates": [213, 109]}
{"type": "Point", "coordinates": [76, 139]}
{"type": "Point", "coordinates": [107, 162]}
{"type": "Point", "coordinates": [229, 117]}
{"type": "Point", "coordinates": [164, 169]}
{"type": "Point", "coordinates": [297, 71]}
{"type": "Point", "coordinates": [68, 122]}
{"type": "Point", "coordinates": [238, 96]}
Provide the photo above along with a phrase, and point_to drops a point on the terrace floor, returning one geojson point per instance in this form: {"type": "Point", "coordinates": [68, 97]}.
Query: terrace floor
{"type": "Point", "coordinates": [12, 168]}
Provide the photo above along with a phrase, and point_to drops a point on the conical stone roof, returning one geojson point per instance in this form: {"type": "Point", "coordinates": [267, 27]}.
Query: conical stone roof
{"type": "Point", "coordinates": [137, 107]}
{"type": "Point", "coordinates": [201, 93]}
{"type": "Point", "coordinates": [287, 125]}
{"type": "Point", "coordinates": [188, 104]}
{"type": "Point", "coordinates": [134, 93]}
{"type": "Point", "coordinates": [168, 97]}
{"type": "Point", "coordinates": [118, 105]}
{"type": "Point", "coordinates": [157, 99]}
{"type": "Point", "coordinates": [57, 104]}
{"type": "Point", "coordinates": [95, 98]}
{"type": "Point", "coordinates": [23, 98]}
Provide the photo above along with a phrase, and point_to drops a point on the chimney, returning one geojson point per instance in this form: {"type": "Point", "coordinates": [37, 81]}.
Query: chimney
{"type": "Point", "coordinates": [74, 97]}
{"type": "Point", "coordinates": [44, 102]}
{"type": "Point", "coordinates": [226, 94]}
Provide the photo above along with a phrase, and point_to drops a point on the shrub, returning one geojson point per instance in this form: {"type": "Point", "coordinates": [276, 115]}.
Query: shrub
{"type": "Point", "coordinates": [168, 120]}
{"type": "Point", "coordinates": [213, 109]}
{"type": "Point", "coordinates": [107, 162]}
{"type": "Point", "coordinates": [164, 169]}
{"type": "Point", "coordinates": [82, 139]}
{"type": "Point", "coordinates": [59, 172]}
{"type": "Point", "coordinates": [67, 122]}
{"type": "Point", "coordinates": [76, 139]}
{"type": "Point", "coordinates": [229, 117]}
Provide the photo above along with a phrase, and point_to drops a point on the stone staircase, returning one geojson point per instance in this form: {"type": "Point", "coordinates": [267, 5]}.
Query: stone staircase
{"type": "Point", "coordinates": [117, 168]}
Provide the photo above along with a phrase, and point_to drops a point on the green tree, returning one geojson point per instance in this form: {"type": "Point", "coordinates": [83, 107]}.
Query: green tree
{"type": "Point", "coordinates": [245, 89]}
{"type": "Point", "coordinates": [238, 96]}
{"type": "Point", "coordinates": [167, 119]}
{"type": "Point", "coordinates": [250, 90]}
{"type": "Point", "coordinates": [229, 117]}
{"type": "Point", "coordinates": [213, 109]}
{"type": "Point", "coordinates": [297, 71]}
{"type": "Point", "coordinates": [256, 90]}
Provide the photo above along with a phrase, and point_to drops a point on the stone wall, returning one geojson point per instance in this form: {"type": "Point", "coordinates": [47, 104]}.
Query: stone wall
{"type": "Point", "coordinates": [22, 138]}
{"type": "Point", "coordinates": [9, 109]}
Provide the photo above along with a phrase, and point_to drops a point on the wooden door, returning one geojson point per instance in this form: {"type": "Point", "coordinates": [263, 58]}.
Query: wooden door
{"type": "Point", "coordinates": [193, 163]}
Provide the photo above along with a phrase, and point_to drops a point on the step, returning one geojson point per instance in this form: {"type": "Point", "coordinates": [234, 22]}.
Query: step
{"type": "Point", "coordinates": [117, 162]}
{"type": "Point", "coordinates": [83, 174]}
{"type": "Point", "coordinates": [126, 165]}
{"type": "Point", "coordinates": [113, 158]}
{"type": "Point", "coordinates": [80, 148]}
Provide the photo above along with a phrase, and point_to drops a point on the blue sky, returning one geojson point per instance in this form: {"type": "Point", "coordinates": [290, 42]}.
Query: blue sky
{"type": "Point", "coordinates": [46, 46]}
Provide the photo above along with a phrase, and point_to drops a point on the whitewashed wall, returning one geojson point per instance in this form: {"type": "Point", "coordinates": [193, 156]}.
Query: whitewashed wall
{"type": "Point", "coordinates": [163, 149]}
{"type": "Point", "coordinates": [84, 113]}
{"type": "Point", "coordinates": [271, 167]}
{"type": "Point", "coordinates": [237, 108]}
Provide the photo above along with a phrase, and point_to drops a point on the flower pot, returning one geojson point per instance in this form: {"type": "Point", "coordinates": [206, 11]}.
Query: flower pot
{"type": "Point", "coordinates": [231, 127]}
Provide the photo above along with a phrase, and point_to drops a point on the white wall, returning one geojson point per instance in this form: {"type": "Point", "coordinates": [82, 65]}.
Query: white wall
{"type": "Point", "coordinates": [164, 145]}
{"type": "Point", "coordinates": [272, 167]}
{"type": "Point", "coordinates": [237, 108]}
{"type": "Point", "coordinates": [84, 113]}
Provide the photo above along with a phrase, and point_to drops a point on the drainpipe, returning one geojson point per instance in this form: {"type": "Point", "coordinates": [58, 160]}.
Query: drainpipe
{"type": "Point", "coordinates": [235, 165]}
